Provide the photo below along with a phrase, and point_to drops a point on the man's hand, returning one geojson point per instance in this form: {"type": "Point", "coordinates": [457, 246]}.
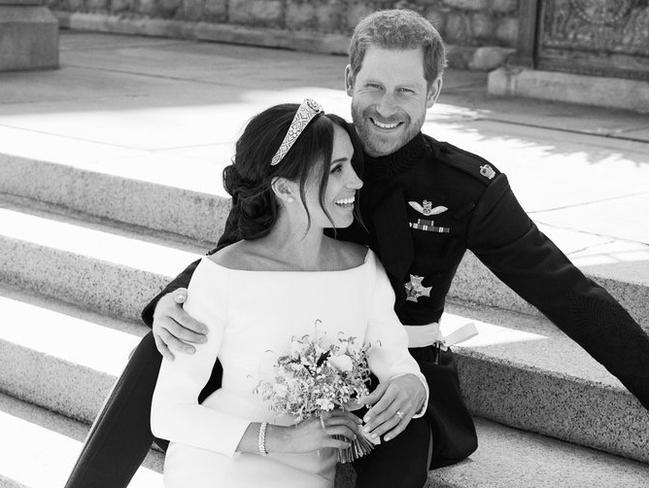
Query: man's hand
{"type": "Point", "coordinates": [173, 328]}
{"type": "Point", "coordinates": [394, 404]}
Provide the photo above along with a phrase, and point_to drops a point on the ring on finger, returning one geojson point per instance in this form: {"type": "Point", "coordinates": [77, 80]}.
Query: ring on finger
{"type": "Point", "coordinates": [399, 414]}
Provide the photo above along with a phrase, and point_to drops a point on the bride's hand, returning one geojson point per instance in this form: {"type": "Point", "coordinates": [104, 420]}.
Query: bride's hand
{"type": "Point", "coordinates": [313, 434]}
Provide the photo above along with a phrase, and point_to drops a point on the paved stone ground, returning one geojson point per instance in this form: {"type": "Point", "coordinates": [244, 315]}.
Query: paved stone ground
{"type": "Point", "coordinates": [169, 111]}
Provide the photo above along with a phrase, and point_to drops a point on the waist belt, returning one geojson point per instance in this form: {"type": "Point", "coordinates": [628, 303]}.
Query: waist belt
{"type": "Point", "coordinates": [429, 334]}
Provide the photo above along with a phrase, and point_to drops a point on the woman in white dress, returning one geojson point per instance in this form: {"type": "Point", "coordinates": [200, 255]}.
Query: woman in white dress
{"type": "Point", "coordinates": [292, 177]}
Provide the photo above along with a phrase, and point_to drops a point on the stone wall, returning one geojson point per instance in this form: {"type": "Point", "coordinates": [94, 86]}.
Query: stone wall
{"type": "Point", "coordinates": [465, 24]}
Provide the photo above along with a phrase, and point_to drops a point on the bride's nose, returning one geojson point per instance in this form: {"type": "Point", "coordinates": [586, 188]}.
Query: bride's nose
{"type": "Point", "coordinates": [354, 181]}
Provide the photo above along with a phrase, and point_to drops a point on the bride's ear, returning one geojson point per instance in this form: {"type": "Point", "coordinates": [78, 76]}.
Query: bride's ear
{"type": "Point", "coordinates": [283, 189]}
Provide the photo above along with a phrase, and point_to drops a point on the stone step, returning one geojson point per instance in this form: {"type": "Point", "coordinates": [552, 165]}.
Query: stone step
{"type": "Point", "coordinates": [178, 209]}
{"type": "Point", "coordinates": [103, 268]}
{"type": "Point", "coordinates": [63, 358]}
{"type": "Point", "coordinates": [115, 272]}
{"type": "Point", "coordinates": [508, 457]}
{"type": "Point", "coordinates": [628, 283]}
{"type": "Point", "coordinates": [128, 192]}
{"type": "Point", "coordinates": [522, 371]}
{"type": "Point", "coordinates": [519, 371]}
{"type": "Point", "coordinates": [39, 448]}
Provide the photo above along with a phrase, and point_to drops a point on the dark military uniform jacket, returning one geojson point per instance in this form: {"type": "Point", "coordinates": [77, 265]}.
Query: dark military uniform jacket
{"type": "Point", "coordinates": [425, 205]}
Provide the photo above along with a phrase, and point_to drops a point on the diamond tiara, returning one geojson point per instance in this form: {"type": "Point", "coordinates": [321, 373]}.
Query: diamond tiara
{"type": "Point", "coordinates": [305, 113]}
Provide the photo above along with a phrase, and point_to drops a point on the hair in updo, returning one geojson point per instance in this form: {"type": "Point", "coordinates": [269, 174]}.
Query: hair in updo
{"type": "Point", "coordinates": [248, 179]}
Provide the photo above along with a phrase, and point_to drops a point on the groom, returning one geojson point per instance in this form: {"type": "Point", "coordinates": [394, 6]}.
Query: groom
{"type": "Point", "coordinates": [423, 204]}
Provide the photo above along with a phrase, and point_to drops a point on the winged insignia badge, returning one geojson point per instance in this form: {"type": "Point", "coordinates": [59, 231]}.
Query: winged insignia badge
{"type": "Point", "coordinates": [426, 208]}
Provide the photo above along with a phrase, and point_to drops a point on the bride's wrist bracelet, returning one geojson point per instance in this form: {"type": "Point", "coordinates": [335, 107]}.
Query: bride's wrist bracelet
{"type": "Point", "coordinates": [261, 439]}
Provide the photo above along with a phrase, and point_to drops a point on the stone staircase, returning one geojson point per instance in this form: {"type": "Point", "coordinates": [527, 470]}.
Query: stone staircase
{"type": "Point", "coordinates": [81, 252]}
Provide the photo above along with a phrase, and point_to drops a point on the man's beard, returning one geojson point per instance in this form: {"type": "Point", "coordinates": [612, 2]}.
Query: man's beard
{"type": "Point", "coordinates": [377, 145]}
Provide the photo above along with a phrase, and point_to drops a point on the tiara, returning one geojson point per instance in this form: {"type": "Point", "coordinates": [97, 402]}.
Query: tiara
{"type": "Point", "coordinates": [305, 113]}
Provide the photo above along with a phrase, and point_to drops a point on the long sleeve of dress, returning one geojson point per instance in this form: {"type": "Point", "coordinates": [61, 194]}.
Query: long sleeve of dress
{"type": "Point", "coordinates": [504, 238]}
{"type": "Point", "coordinates": [389, 356]}
{"type": "Point", "coordinates": [176, 414]}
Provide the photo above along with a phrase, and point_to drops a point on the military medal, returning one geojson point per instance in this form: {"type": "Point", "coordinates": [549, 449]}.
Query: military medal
{"type": "Point", "coordinates": [415, 289]}
{"type": "Point", "coordinates": [429, 226]}
{"type": "Point", "coordinates": [426, 208]}
{"type": "Point", "coordinates": [487, 171]}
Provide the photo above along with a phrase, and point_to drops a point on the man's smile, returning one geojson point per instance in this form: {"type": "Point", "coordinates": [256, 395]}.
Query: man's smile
{"type": "Point", "coordinates": [385, 126]}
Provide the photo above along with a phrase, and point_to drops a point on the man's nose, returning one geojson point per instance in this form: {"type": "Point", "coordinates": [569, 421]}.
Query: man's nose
{"type": "Point", "coordinates": [386, 106]}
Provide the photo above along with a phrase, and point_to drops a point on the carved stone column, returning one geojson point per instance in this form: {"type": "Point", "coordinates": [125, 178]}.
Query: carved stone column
{"type": "Point", "coordinates": [29, 36]}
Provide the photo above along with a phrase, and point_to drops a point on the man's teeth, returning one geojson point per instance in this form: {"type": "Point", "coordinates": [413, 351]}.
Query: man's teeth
{"type": "Point", "coordinates": [345, 202]}
{"type": "Point", "coordinates": [385, 126]}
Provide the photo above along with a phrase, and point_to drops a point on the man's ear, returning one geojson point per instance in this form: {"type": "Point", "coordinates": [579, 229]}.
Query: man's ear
{"type": "Point", "coordinates": [349, 80]}
{"type": "Point", "coordinates": [433, 92]}
{"type": "Point", "coordinates": [283, 189]}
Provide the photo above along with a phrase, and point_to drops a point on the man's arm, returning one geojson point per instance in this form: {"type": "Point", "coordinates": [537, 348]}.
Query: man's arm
{"type": "Point", "coordinates": [504, 238]}
{"type": "Point", "coordinates": [171, 325]}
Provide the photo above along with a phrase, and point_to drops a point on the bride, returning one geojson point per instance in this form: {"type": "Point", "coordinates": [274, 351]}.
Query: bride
{"type": "Point", "coordinates": [291, 178]}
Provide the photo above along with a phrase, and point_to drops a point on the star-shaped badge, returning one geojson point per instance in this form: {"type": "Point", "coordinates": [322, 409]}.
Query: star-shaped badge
{"type": "Point", "coordinates": [414, 289]}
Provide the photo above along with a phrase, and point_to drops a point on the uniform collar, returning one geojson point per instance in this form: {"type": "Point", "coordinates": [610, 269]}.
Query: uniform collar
{"type": "Point", "coordinates": [398, 162]}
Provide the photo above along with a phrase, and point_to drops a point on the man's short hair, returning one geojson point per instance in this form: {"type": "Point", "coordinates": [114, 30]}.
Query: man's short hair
{"type": "Point", "coordinates": [399, 29]}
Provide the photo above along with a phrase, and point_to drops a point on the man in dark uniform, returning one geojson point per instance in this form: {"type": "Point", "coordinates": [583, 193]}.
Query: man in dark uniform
{"type": "Point", "coordinates": [424, 203]}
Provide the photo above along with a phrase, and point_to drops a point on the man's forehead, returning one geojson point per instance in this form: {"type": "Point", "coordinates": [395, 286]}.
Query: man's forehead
{"type": "Point", "coordinates": [397, 65]}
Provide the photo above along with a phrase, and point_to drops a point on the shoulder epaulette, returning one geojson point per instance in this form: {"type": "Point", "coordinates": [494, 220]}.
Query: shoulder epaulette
{"type": "Point", "coordinates": [467, 162]}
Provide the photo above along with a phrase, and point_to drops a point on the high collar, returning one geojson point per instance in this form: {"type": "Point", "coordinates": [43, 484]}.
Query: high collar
{"type": "Point", "coordinates": [398, 162]}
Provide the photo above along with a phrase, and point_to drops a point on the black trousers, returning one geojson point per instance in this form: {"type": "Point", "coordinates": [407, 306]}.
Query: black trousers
{"type": "Point", "coordinates": [121, 437]}
{"type": "Point", "coordinates": [399, 463]}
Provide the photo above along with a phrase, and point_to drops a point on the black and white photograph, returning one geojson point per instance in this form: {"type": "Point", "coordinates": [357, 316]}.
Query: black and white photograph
{"type": "Point", "coordinates": [324, 243]}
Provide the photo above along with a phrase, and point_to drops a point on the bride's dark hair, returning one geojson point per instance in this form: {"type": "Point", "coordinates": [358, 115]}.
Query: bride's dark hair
{"type": "Point", "coordinates": [248, 179]}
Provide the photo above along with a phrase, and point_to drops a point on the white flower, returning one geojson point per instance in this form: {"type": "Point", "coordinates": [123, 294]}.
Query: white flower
{"type": "Point", "coordinates": [342, 362]}
{"type": "Point", "coordinates": [280, 389]}
{"type": "Point", "coordinates": [325, 404]}
{"type": "Point", "coordinates": [295, 348]}
{"type": "Point", "coordinates": [354, 346]}
{"type": "Point", "coordinates": [320, 349]}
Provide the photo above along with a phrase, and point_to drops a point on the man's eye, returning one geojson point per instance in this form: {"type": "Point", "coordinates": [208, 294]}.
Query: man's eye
{"type": "Point", "coordinates": [406, 91]}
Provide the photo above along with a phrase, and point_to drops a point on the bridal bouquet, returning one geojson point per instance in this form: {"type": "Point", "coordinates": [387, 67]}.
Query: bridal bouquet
{"type": "Point", "coordinates": [318, 375]}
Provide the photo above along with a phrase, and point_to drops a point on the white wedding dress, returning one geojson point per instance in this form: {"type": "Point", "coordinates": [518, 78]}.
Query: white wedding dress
{"type": "Point", "coordinates": [252, 316]}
